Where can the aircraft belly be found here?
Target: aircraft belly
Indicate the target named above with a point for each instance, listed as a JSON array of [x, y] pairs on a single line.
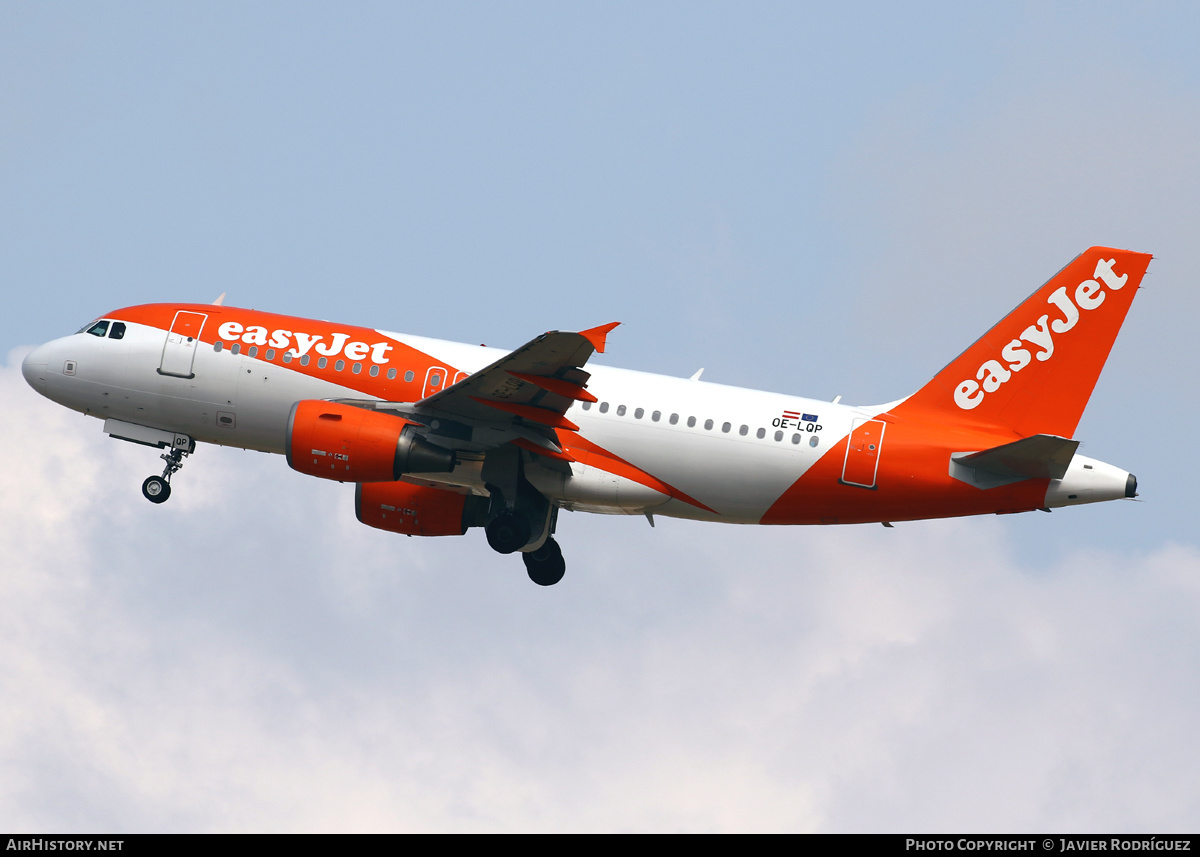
[[593, 489], [231, 400], [737, 478], [265, 395]]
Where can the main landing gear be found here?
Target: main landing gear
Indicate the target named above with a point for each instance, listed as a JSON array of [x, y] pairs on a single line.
[[545, 565], [157, 489], [508, 532], [520, 518]]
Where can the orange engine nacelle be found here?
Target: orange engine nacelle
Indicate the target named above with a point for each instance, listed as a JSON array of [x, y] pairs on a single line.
[[352, 444], [417, 510]]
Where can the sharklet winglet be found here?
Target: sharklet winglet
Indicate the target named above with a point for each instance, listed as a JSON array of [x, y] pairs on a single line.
[[598, 335]]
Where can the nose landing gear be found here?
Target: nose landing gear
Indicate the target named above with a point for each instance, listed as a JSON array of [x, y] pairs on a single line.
[[157, 489]]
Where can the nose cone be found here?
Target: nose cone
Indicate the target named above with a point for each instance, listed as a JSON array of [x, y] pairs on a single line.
[[33, 367]]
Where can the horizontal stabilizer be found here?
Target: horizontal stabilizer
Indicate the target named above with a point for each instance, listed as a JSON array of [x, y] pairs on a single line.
[[1043, 456]]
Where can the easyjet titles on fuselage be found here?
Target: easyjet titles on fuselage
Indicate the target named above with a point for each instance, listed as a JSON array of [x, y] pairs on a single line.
[[233, 331], [1089, 295]]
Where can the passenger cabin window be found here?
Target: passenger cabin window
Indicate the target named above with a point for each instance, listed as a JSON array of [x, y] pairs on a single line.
[[322, 362], [620, 410], [708, 424], [674, 419], [638, 414], [392, 373], [744, 430], [408, 376], [691, 422], [253, 352], [604, 407], [761, 433], [587, 406], [98, 329], [656, 416], [117, 331]]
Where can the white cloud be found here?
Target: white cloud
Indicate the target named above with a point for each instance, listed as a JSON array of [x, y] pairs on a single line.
[[247, 657]]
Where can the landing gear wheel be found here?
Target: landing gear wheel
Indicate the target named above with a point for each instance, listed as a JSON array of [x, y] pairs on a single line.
[[156, 489], [507, 533], [545, 566]]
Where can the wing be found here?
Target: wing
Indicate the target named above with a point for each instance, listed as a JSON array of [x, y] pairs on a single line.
[[538, 382], [523, 397]]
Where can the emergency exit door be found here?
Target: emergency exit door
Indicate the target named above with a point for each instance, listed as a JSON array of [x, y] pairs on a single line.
[[862, 453], [435, 380]]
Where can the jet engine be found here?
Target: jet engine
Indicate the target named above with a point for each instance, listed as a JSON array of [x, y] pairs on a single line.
[[418, 510], [350, 444]]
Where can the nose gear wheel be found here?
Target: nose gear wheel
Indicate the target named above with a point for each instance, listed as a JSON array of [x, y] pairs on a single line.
[[157, 489]]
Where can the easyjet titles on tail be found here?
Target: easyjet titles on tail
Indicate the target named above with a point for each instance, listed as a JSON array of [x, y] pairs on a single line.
[[1089, 295]]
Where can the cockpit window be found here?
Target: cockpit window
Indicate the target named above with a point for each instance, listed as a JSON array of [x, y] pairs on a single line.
[[98, 329], [118, 330]]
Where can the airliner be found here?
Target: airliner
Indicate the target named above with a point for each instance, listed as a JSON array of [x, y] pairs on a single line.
[[441, 437]]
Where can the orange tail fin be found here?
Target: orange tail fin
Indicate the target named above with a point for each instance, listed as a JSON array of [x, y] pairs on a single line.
[[1034, 372]]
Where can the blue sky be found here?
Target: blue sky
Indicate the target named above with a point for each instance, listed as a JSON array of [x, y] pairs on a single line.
[[819, 200]]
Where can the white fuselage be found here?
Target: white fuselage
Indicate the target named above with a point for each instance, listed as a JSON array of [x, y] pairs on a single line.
[[736, 451]]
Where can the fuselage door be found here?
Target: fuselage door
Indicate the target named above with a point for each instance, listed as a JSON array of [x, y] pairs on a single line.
[[435, 380], [862, 453], [180, 348]]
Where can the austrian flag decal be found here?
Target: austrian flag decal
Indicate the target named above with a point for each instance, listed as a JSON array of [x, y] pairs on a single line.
[[794, 418]]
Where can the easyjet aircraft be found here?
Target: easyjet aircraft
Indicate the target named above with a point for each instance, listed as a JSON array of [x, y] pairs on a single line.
[[440, 437]]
